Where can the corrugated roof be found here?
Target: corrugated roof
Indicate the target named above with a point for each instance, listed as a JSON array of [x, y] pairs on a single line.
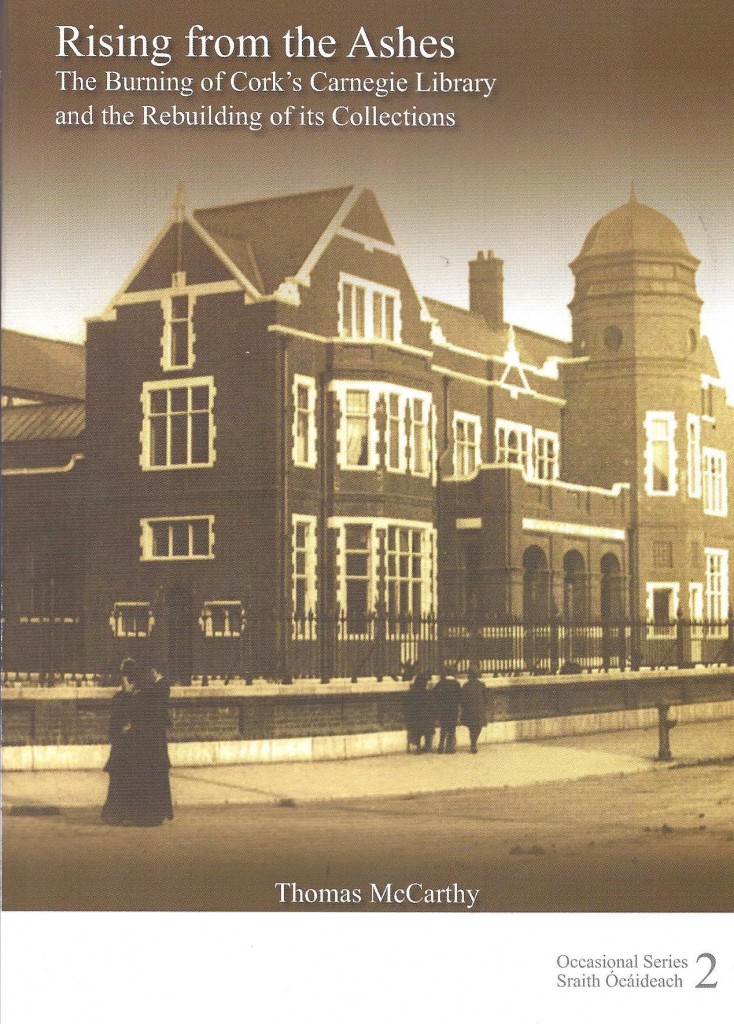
[[50, 421], [42, 366], [270, 239]]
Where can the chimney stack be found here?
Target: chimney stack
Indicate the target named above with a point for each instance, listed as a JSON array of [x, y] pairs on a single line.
[[486, 288]]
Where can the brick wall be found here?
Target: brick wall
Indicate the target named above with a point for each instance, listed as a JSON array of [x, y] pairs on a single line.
[[84, 718]]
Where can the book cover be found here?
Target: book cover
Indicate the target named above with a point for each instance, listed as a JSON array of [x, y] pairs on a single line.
[[366, 535]]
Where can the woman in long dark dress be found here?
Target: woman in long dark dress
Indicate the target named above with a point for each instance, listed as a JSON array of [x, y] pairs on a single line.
[[138, 766]]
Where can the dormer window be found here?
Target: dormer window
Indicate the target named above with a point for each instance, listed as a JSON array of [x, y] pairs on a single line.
[[368, 311], [178, 333]]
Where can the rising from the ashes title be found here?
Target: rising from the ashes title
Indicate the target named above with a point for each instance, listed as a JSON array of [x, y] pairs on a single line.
[[158, 49]]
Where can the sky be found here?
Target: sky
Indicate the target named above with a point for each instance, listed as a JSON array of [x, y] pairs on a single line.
[[589, 97]]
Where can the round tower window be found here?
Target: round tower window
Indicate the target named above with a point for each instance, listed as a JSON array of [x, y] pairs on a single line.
[[613, 338], [692, 340]]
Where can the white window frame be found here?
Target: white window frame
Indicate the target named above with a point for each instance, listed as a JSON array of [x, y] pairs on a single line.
[[146, 538], [694, 462], [376, 526], [656, 629], [167, 302], [380, 391], [716, 587], [715, 482], [525, 434], [116, 619], [651, 420], [420, 433], [543, 437], [310, 552], [188, 383], [390, 425], [372, 394], [372, 566], [233, 619], [467, 451], [394, 574], [371, 290], [301, 381]]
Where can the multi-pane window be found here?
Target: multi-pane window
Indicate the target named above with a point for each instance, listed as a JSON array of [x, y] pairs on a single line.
[[546, 455], [717, 584], [399, 415], [131, 619], [420, 449], [304, 566], [467, 441], [304, 421], [383, 560], [405, 572], [660, 453], [693, 437], [177, 538], [715, 489], [178, 334], [358, 582], [222, 618], [395, 444], [369, 310], [514, 444], [358, 429], [178, 427]]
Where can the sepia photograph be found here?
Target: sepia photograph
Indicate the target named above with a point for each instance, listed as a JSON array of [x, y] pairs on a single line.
[[367, 405]]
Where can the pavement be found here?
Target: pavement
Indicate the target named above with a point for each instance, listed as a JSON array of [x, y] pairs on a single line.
[[398, 775]]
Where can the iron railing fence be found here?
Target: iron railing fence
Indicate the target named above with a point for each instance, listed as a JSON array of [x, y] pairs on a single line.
[[52, 648]]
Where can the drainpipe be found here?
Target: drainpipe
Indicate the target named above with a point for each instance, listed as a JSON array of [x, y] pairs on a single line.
[[283, 524], [439, 510]]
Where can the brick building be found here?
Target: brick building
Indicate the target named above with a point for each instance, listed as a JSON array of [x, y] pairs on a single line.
[[285, 444]]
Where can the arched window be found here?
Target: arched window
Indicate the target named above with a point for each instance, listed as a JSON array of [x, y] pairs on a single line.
[[536, 585], [692, 340], [575, 588], [612, 596]]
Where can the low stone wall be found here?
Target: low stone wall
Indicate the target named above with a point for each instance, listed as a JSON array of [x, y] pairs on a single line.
[[61, 716], [67, 727], [336, 748]]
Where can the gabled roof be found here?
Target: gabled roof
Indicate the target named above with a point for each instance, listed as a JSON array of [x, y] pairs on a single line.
[[42, 366], [465, 329], [269, 240], [535, 348], [47, 422]]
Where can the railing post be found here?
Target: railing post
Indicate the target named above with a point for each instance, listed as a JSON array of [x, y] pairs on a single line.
[[681, 646], [381, 639], [636, 628], [555, 624], [665, 724]]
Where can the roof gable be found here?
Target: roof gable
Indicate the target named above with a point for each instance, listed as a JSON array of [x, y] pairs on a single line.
[[180, 248], [366, 218], [275, 236], [43, 367]]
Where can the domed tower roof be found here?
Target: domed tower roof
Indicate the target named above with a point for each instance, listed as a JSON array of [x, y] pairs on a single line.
[[635, 228]]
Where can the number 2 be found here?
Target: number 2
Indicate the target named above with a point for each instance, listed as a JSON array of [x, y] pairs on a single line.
[[712, 960]]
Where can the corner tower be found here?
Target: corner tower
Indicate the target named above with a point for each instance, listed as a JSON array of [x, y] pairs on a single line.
[[639, 403]]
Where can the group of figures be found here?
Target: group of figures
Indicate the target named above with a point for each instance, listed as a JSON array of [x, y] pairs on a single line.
[[138, 766], [445, 705]]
